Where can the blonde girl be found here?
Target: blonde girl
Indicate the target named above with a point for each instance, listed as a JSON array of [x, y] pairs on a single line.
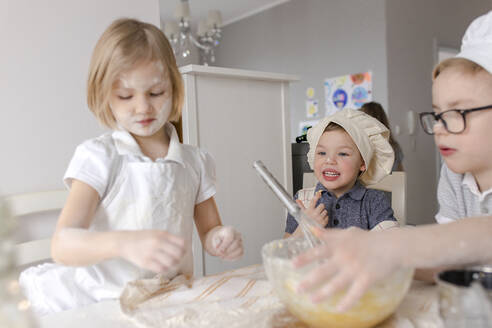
[[135, 191]]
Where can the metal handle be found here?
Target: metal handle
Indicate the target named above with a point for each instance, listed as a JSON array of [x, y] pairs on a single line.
[[277, 188], [305, 222]]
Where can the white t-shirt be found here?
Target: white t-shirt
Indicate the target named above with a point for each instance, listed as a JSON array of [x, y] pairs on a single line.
[[136, 193], [459, 197]]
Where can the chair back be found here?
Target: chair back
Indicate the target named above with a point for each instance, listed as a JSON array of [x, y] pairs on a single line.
[[31, 203], [395, 183]]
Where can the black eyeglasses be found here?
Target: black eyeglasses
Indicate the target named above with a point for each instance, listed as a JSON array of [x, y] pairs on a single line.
[[454, 120]]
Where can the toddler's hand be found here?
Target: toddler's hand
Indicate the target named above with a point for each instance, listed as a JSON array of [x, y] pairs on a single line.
[[224, 242], [318, 213], [155, 250]]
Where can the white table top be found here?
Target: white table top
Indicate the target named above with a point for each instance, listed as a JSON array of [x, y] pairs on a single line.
[[419, 309], [100, 315]]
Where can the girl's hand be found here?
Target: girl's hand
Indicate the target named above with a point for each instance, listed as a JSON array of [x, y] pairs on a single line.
[[351, 258], [318, 213], [155, 250], [224, 242]]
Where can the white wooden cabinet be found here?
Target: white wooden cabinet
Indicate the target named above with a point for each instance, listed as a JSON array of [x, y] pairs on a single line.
[[240, 116]]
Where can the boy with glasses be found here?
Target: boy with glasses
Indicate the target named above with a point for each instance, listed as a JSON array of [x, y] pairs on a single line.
[[462, 127]]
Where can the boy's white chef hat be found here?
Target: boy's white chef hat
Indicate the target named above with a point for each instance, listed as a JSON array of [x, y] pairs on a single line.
[[477, 42], [370, 136]]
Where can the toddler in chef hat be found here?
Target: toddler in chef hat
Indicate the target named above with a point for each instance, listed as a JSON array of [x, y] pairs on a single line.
[[461, 122], [347, 151]]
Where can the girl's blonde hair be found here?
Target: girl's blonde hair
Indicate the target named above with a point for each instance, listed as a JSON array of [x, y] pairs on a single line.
[[125, 43], [465, 65]]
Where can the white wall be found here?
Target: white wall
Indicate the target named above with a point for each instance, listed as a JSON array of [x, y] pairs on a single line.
[[312, 39], [46, 49]]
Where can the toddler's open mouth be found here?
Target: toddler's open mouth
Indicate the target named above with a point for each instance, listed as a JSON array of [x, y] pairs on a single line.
[[330, 174]]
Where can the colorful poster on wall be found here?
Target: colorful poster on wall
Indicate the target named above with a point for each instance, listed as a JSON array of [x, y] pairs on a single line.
[[350, 91], [311, 108], [303, 126], [311, 103]]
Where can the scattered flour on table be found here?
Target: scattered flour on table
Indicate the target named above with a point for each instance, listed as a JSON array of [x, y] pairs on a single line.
[[264, 312]]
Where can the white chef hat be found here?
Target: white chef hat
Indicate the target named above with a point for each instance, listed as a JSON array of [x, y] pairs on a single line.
[[477, 42], [369, 135]]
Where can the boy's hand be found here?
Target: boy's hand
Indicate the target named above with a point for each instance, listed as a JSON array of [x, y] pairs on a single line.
[[224, 242], [317, 213], [155, 250], [351, 259]]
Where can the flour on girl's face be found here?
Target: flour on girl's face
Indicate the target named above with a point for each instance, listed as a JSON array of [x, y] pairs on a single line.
[[141, 99]]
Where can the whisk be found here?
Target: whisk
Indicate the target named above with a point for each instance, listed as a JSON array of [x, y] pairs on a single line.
[[306, 223]]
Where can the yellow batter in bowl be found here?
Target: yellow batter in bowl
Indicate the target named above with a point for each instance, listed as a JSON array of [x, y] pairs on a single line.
[[377, 304]]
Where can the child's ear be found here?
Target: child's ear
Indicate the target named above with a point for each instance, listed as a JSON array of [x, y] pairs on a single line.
[[363, 167]]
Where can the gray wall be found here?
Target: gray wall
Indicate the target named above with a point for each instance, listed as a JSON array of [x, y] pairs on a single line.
[[43, 70], [314, 39], [396, 39], [44, 66], [414, 29]]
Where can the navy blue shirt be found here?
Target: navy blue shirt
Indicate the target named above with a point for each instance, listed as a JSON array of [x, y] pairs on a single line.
[[358, 207]]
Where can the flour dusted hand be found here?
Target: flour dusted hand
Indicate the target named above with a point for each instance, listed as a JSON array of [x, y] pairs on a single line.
[[154, 250], [348, 261], [317, 213], [224, 242]]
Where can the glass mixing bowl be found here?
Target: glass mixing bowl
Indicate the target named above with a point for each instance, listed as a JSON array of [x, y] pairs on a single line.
[[379, 302]]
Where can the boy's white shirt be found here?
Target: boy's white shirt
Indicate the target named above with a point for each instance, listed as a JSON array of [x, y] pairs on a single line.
[[471, 183], [461, 190], [136, 193]]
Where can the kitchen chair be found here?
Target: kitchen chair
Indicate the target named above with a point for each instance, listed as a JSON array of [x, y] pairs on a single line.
[[34, 251], [395, 183]]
